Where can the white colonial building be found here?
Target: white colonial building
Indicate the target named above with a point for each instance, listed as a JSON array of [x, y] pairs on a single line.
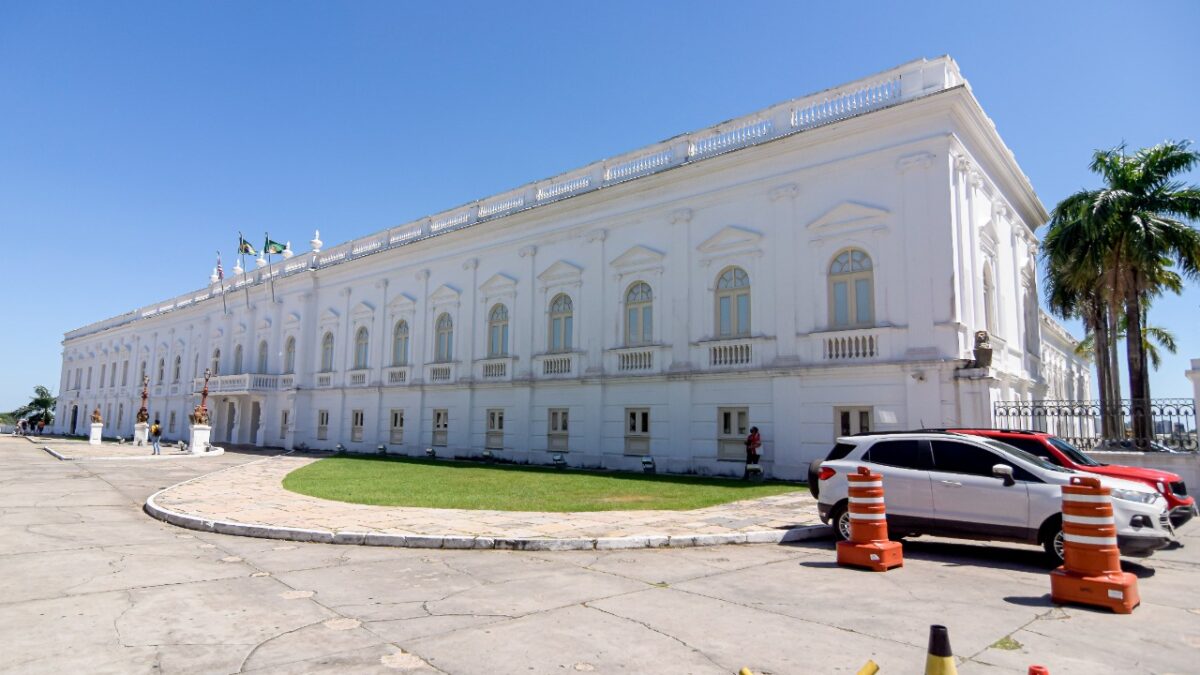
[[813, 269]]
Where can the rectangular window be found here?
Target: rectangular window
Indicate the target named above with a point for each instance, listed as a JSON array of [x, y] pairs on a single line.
[[120, 414], [557, 432], [112, 376], [495, 429], [171, 423], [841, 304], [125, 373], [356, 426], [283, 424], [322, 425], [726, 311], [89, 377], [862, 301], [732, 428], [441, 426], [743, 313], [637, 431], [396, 433], [103, 372], [850, 421]]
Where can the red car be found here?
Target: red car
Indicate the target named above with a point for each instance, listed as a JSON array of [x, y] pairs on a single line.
[[1180, 505]]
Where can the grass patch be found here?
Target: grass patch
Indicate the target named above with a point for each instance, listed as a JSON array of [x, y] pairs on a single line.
[[1006, 643], [392, 481]]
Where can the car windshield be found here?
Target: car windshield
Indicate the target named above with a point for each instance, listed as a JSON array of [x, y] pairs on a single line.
[[1021, 454], [1074, 454]]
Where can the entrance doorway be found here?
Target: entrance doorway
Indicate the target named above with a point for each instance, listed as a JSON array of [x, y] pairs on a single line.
[[74, 418], [255, 414], [230, 420]]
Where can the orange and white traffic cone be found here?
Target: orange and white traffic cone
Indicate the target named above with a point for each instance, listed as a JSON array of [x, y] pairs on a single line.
[[1091, 570], [868, 545]]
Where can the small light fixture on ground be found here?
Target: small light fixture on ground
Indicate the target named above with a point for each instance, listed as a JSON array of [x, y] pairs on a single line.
[[382, 449], [430, 452], [648, 464], [559, 460], [754, 471], [487, 455], [339, 448]]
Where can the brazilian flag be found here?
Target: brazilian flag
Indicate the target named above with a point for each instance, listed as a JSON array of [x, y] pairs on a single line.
[[272, 247], [244, 247]]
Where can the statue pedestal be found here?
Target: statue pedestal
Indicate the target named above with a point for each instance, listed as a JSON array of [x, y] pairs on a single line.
[[94, 436], [141, 433], [198, 443]]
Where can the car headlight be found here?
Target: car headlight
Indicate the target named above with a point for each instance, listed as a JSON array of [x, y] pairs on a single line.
[[1135, 496]]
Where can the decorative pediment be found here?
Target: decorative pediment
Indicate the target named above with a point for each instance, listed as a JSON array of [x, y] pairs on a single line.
[[403, 302], [239, 329], [637, 258], [849, 215], [291, 319], [330, 315], [264, 323], [561, 272], [362, 310], [731, 239], [218, 333], [444, 294], [499, 284]]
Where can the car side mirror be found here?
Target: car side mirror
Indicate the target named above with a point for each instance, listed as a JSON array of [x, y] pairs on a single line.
[[1004, 471]]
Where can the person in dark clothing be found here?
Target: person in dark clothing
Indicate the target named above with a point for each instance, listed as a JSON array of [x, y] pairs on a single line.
[[753, 443]]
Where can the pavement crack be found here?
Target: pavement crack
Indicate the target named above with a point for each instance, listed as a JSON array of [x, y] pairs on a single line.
[[652, 629]]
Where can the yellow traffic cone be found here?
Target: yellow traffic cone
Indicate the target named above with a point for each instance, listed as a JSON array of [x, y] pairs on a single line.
[[940, 660]]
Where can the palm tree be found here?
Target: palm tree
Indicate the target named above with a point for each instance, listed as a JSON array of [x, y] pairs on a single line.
[[40, 407], [1134, 228]]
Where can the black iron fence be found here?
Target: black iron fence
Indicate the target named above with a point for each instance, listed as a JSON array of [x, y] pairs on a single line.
[[1090, 426]]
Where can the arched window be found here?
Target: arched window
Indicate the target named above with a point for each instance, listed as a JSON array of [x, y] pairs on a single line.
[[237, 360], [327, 353], [289, 356], [400, 343], [851, 290], [733, 303], [361, 343], [498, 331], [176, 368], [262, 357], [445, 338], [989, 300], [562, 315], [216, 362], [638, 324]]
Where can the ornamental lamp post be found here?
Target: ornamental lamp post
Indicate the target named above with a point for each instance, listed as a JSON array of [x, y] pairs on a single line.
[[200, 429]]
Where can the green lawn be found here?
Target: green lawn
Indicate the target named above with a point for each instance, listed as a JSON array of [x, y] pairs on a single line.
[[389, 481]]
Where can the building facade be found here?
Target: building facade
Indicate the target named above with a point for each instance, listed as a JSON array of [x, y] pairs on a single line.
[[817, 268]]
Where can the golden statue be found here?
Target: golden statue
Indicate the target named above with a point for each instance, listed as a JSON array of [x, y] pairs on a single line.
[[96, 416]]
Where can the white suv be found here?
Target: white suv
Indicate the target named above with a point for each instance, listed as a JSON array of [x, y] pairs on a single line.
[[954, 485]]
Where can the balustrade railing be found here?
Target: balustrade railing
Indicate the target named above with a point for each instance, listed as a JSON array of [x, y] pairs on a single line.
[[636, 360], [287, 381], [852, 346], [906, 82], [324, 379], [557, 365], [731, 353], [397, 375], [358, 378], [440, 373], [494, 370]]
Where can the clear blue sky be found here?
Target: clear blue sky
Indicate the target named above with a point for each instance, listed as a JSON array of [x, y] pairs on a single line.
[[136, 138]]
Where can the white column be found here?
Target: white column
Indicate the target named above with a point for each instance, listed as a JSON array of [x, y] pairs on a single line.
[[593, 332], [783, 256], [676, 322], [1194, 375]]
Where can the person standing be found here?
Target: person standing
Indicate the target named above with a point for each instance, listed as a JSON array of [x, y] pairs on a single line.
[[753, 443], [156, 436]]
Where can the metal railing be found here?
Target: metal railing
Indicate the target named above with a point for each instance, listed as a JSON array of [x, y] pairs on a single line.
[[1082, 423]]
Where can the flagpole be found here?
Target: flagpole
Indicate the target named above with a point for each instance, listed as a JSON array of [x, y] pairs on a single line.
[[267, 252], [224, 306], [242, 257]]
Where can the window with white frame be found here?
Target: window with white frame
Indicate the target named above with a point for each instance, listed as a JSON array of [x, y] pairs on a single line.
[[562, 316], [216, 363], [396, 432], [124, 374], [498, 331], [176, 369], [237, 360], [327, 353], [637, 431], [262, 357], [196, 365], [495, 429], [103, 372], [441, 426], [89, 375], [851, 290], [322, 425], [639, 301], [400, 343], [732, 428], [120, 414], [733, 303], [445, 339], [289, 356], [356, 425], [171, 423], [989, 300], [852, 420], [284, 418], [361, 345], [112, 375], [162, 371], [558, 432], [141, 373]]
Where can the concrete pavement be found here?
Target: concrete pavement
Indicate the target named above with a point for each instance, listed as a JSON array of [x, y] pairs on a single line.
[[88, 582]]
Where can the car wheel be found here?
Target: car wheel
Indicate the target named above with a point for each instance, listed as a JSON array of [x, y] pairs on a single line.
[[840, 519], [1052, 540], [814, 482]]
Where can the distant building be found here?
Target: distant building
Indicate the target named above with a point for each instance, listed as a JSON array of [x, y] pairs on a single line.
[[814, 269]]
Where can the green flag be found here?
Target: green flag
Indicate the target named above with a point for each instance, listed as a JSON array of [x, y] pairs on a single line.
[[244, 247], [272, 247]]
